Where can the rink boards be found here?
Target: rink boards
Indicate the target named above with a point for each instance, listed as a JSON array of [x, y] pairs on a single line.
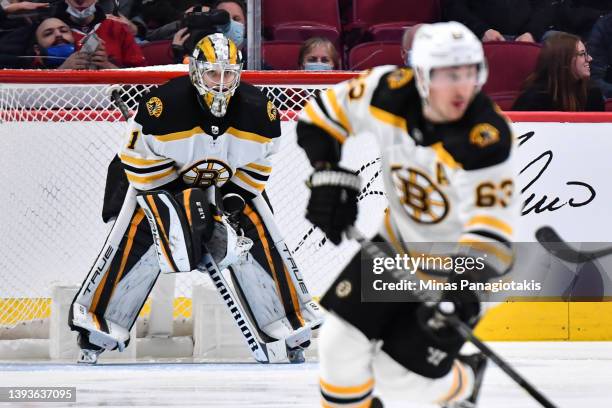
[[554, 150]]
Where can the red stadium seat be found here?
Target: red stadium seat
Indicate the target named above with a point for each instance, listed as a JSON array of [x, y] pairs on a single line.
[[281, 54], [158, 52], [372, 54], [388, 31], [369, 13], [301, 31], [510, 63], [301, 15], [504, 100]]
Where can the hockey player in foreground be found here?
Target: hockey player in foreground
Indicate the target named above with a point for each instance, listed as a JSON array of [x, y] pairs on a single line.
[[447, 173], [197, 157]]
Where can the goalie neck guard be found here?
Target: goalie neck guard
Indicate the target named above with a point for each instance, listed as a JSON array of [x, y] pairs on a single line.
[[214, 69]]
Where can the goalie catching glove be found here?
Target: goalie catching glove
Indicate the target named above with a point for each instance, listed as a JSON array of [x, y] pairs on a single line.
[[333, 200]]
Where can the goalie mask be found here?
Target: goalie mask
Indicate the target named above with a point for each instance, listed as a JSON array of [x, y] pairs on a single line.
[[443, 45], [214, 68]]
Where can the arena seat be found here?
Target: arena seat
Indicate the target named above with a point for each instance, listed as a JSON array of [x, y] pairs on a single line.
[[510, 63], [158, 52], [299, 20], [281, 54], [372, 54], [504, 100], [384, 21]]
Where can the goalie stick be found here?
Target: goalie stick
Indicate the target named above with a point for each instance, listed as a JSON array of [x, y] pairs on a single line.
[[115, 96], [445, 313], [264, 352], [555, 245]]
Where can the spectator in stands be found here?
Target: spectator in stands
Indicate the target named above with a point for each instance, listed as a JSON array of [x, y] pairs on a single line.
[[234, 29], [600, 48], [160, 19], [406, 45], [579, 16], [118, 48], [16, 33], [318, 54], [54, 44], [501, 20], [561, 79], [20, 7]]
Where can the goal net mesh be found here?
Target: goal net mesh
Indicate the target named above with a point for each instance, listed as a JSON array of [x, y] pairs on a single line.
[[58, 138]]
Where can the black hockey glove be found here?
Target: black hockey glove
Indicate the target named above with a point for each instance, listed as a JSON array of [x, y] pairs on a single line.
[[333, 200], [464, 303]]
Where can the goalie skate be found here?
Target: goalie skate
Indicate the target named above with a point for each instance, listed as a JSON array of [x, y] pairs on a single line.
[[87, 356], [112, 337]]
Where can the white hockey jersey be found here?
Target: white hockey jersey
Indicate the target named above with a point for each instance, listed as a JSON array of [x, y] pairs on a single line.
[[173, 136], [450, 182]]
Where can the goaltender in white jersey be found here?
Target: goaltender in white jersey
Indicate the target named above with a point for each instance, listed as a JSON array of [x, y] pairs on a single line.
[[197, 159], [446, 157]]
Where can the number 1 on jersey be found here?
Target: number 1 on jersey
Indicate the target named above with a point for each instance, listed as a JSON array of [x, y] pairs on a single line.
[[133, 139]]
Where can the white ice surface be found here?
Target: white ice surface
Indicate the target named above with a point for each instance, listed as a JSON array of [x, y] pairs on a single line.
[[577, 374]]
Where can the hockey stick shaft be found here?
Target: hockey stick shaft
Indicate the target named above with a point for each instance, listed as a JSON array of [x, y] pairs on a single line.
[[554, 244], [466, 332], [118, 102], [374, 251], [261, 351], [463, 329]]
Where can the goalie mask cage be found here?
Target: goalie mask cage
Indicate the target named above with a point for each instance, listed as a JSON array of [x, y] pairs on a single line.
[[60, 130]]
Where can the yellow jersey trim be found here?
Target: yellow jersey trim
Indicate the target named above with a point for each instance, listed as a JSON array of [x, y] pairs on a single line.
[[185, 134], [140, 162], [445, 157], [242, 176], [320, 122], [241, 134], [260, 167], [331, 97], [490, 222], [148, 179], [337, 389], [388, 118], [487, 247]]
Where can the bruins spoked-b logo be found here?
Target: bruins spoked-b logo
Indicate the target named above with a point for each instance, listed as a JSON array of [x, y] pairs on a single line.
[[205, 173], [155, 107], [422, 199], [344, 288]]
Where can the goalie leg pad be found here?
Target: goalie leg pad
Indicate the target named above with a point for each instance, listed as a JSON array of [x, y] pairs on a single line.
[[259, 291], [308, 308], [108, 303], [178, 229], [267, 255]]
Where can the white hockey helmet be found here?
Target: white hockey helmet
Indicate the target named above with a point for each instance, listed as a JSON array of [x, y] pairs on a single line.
[[214, 68], [442, 45]]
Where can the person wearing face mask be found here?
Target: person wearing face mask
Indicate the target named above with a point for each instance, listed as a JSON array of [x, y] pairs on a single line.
[[318, 54], [117, 48], [54, 44], [235, 30], [17, 31]]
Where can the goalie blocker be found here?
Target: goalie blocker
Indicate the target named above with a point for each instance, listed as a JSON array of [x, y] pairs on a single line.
[[272, 309]]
